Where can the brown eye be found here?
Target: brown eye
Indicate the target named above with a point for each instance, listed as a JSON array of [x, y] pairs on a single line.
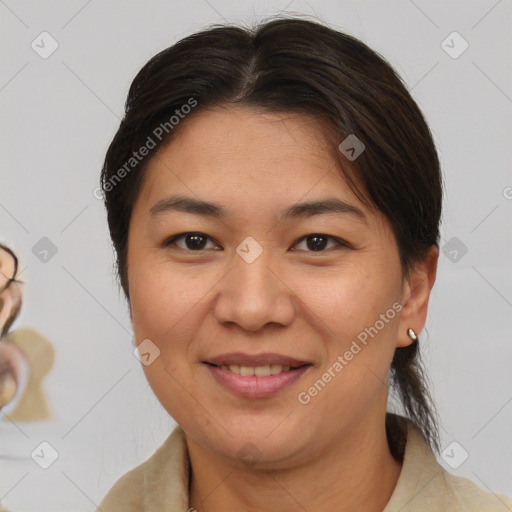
[[189, 241], [317, 242]]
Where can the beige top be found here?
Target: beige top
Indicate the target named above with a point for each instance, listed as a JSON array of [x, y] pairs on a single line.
[[161, 483]]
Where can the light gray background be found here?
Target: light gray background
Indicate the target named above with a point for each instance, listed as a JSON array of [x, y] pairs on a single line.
[[58, 117]]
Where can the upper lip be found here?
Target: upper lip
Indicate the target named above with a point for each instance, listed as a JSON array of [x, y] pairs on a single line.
[[264, 359]]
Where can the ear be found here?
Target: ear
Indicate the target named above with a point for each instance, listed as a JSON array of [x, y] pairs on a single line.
[[415, 296]]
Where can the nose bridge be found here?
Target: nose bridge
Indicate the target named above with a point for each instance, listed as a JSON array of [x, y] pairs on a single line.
[[252, 295]]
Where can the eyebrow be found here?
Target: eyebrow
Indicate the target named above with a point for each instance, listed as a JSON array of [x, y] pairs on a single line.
[[306, 209]]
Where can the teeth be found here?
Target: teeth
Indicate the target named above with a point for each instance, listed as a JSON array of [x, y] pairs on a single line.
[[262, 371], [246, 371], [275, 368], [259, 371]]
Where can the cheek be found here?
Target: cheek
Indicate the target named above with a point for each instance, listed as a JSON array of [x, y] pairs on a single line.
[[161, 299], [347, 302], [162, 303], [361, 313], [358, 352]]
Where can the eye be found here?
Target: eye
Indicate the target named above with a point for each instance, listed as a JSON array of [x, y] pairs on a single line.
[[191, 241], [196, 241], [317, 242]]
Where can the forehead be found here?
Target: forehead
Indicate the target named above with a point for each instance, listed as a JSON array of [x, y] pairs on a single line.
[[222, 149]]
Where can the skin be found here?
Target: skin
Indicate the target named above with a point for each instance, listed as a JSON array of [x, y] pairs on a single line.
[[10, 293], [12, 359], [331, 454]]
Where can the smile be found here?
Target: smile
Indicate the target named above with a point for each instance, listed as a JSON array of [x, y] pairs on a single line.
[[259, 371], [256, 381]]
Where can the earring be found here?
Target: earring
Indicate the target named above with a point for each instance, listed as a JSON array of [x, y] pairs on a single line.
[[412, 334]]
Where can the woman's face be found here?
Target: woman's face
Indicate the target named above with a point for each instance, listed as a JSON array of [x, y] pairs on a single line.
[[252, 283]]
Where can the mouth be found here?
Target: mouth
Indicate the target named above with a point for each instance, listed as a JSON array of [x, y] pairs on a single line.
[[258, 371], [260, 376]]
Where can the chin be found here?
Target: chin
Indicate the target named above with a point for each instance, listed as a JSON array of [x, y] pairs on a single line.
[[259, 443]]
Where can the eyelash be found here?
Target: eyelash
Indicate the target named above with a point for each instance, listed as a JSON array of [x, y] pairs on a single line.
[[169, 242]]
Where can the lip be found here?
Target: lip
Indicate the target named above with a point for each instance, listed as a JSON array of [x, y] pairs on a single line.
[[263, 359], [256, 387]]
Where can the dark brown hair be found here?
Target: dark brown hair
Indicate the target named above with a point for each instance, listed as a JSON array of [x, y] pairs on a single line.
[[297, 66]]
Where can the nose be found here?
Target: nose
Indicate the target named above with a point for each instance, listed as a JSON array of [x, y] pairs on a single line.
[[253, 294]]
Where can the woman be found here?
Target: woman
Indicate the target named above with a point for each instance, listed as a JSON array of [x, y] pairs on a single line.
[[274, 198]]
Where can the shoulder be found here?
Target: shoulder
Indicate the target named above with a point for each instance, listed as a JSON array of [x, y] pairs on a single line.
[[467, 496], [160, 481], [425, 486]]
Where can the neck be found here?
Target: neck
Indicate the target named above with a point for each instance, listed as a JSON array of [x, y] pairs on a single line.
[[356, 472]]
